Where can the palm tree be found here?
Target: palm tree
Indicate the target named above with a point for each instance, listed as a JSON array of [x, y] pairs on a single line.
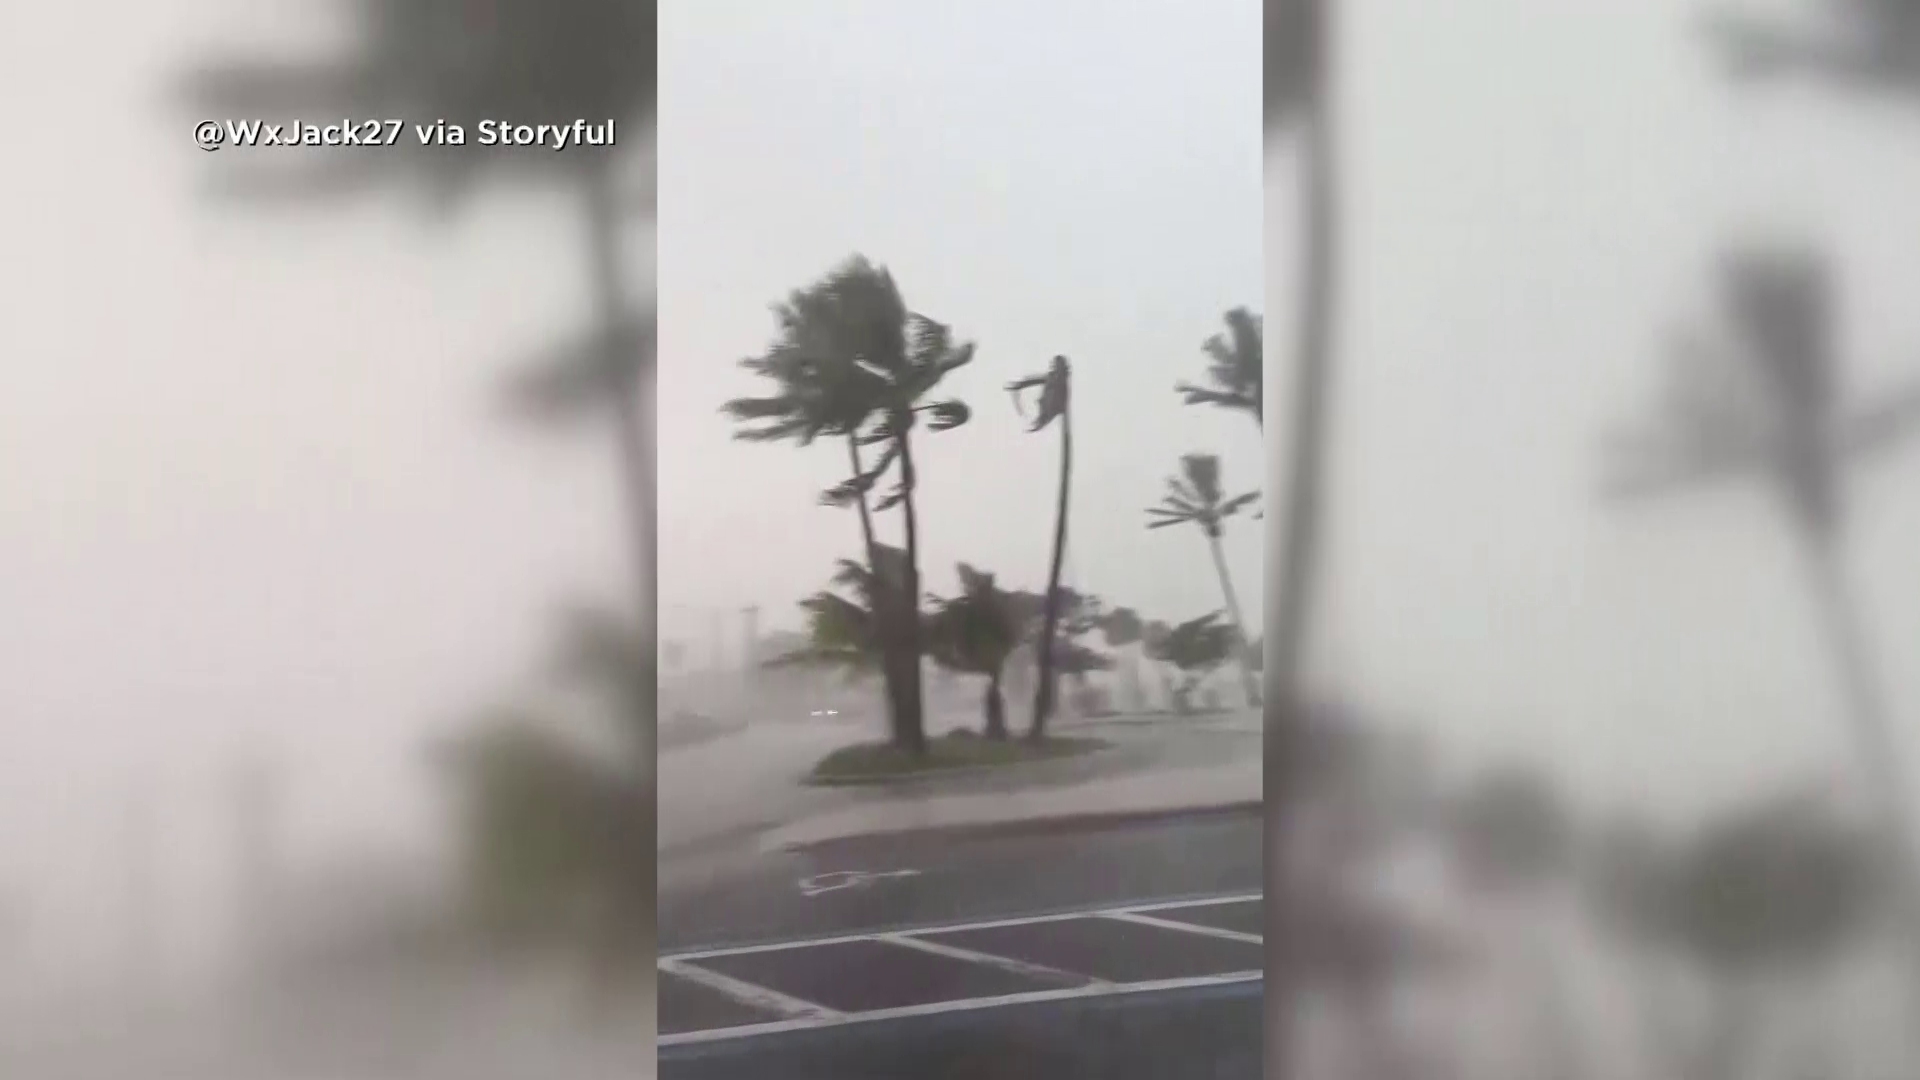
[[1195, 498], [1196, 648], [1056, 389], [860, 366], [909, 355], [1300, 44], [1299, 49], [850, 635], [975, 633], [1772, 894], [820, 390], [1764, 400], [1238, 369]]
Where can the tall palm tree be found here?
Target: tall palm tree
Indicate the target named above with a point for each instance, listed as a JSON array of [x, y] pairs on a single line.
[[1764, 400], [975, 632], [860, 365], [820, 390], [1055, 387], [1237, 370], [1195, 498], [911, 355], [1300, 45]]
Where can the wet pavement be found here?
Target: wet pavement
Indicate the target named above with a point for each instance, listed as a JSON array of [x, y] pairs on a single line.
[[917, 880], [1137, 990]]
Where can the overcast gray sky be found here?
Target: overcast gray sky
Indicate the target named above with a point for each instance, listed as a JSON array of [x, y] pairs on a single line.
[[1075, 178], [254, 485]]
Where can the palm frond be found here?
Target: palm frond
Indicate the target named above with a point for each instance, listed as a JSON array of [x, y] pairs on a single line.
[[947, 415], [1237, 503], [1202, 474]]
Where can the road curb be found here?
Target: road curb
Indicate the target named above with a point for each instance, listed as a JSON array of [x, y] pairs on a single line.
[[1036, 826]]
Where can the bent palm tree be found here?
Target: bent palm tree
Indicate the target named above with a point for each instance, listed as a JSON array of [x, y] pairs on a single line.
[[1195, 498], [820, 390], [975, 633], [1055, 388], [1763, 401], [1238, 369], [879, 361], [1300, 44]]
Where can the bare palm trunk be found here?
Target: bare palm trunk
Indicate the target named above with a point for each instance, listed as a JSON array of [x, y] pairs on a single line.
[[632, 406], [996, 709], [1306, 465], [1243, 649], [1859, 681], [1043, 694], [889, 661], [906, 608]]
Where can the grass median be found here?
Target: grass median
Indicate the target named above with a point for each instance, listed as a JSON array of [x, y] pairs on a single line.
[[881, 762]]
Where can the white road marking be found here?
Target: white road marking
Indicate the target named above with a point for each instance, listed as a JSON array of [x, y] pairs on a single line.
[[1004, 963], [1024, 920], [847, 879], [1032, 997], [1185, 928], [746, 993]]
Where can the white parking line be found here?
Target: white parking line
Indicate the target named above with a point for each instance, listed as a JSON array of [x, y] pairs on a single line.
[[800, 1015], [988, 924], [1004, 963], [1185, 928], [750, 994], [937, 1008]]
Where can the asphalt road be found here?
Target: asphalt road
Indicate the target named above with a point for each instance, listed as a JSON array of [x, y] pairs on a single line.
[[942, 879], [1042, 990]]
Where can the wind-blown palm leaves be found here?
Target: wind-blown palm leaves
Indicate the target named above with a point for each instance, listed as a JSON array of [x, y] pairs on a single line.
[[1237, 370], [1196, 648], [1055, 391], [851, 361], [1763, 400], [1772, 893], [845, 633], [1195, 498], [975, 632]]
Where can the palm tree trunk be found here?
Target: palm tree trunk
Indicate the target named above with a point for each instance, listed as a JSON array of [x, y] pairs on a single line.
[[1306, 463], [634, 435], [1866, 706], [889, 662], [996, 709], [906, 607], [1043, 694], [1244, 649]]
